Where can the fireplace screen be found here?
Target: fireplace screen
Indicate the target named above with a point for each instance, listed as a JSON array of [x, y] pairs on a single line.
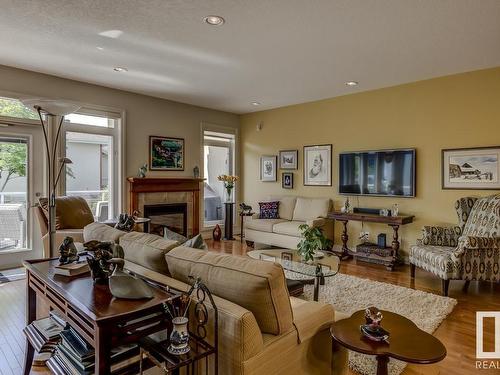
[[172, 216]]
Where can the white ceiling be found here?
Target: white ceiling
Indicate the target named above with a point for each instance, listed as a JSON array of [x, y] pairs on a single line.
[[276, 52]]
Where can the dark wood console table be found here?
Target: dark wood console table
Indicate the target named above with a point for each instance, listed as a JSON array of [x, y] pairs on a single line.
[[102, 320], [393, 221]]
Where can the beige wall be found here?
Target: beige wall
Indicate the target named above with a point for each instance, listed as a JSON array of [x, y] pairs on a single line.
[[145, 115], [455, 111]]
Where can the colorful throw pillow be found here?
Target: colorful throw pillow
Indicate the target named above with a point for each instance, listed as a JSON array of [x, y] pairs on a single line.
[[269, 210]]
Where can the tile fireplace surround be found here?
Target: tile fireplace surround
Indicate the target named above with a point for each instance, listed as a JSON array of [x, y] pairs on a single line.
[[157, 190]]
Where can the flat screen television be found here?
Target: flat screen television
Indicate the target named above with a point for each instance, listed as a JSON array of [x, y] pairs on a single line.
[[388, 173]]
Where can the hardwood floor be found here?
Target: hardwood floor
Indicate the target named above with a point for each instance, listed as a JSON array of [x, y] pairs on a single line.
[[457, 332]]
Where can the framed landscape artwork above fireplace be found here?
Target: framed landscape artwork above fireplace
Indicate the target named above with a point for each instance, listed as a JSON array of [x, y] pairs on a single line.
[[166, 153]]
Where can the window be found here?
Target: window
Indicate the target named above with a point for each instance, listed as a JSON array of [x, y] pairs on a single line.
[[13, 192], [218, 158], [10, 107], [92, 144]]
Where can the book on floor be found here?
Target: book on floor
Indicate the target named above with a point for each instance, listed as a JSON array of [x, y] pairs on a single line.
[[72, 269]]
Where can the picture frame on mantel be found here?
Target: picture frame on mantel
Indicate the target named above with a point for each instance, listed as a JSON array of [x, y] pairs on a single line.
[[476, 168], [318, 165], [166, 153]]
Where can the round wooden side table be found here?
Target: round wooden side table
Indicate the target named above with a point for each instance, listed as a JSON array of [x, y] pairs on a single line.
[[407, 342]]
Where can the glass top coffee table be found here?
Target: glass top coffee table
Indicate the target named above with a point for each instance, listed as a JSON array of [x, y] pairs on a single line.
[[325, 264]]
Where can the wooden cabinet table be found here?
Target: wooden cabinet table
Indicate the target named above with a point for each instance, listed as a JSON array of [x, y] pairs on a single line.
[[393, 221], [102, 320]]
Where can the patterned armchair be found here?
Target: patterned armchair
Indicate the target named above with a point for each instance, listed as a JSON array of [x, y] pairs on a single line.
[[469, 251]]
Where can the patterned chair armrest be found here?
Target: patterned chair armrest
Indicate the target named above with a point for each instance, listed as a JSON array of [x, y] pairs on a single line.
[[479, 243], [479, 258], [440, 236]]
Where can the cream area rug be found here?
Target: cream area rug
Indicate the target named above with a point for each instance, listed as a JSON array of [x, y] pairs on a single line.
[[349, 294]]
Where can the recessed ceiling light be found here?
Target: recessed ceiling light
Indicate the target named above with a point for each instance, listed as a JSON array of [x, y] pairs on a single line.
[[100, 48], [214, 20], [120, 69], [352, 83], [255, 103]]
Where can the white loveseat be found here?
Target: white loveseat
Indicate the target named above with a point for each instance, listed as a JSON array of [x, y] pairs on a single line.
[[293, 211]]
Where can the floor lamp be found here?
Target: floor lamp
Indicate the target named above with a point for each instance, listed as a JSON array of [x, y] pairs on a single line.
[[51, 114]]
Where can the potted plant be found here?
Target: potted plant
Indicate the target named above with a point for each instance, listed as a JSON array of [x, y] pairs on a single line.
[[312, 239]]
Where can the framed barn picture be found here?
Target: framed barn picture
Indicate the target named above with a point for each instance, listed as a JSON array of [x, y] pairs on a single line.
[[471, 168], [166, 154]]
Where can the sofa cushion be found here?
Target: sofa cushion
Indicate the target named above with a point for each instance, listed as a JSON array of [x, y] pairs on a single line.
[[289, 228], [258, 286], [101, 232], [263, 225], [435, 259], [147, 250], [71, 212], [269, 210], [310, 208], [196, 242], [286, 207]]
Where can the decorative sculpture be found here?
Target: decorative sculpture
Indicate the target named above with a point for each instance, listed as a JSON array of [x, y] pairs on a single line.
[[142, 171], [67, 251], [99, 255], [124, 285], [125, 222], [245, 208]]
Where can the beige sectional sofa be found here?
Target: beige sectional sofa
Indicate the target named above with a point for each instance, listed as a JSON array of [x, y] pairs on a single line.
[[293, 212], [262, 330]]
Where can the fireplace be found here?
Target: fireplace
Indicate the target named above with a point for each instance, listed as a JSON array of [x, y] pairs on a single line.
[[164, 191], [167, 215]]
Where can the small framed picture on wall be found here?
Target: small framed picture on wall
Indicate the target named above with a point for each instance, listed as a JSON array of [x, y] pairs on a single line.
[[268, 166], [289, 159], [318, 165], [287, 180], [471, 168]]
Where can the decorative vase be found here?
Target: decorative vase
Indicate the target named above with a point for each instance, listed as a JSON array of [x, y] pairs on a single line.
[[217, 233], [179, 338], [229, 195]]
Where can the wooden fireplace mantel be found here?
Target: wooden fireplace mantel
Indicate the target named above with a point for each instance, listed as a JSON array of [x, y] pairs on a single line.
[[167, 184]]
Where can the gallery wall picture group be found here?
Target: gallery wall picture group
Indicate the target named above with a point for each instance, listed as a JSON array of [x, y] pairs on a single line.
[[318, 165], [471, 168], [166, 153]]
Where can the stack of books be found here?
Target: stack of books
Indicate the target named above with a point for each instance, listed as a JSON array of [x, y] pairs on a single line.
[[44, 335], [72, 269], [75, 356]]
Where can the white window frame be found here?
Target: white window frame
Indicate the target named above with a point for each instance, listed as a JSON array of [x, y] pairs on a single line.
[[116, 184], [211, 127]]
